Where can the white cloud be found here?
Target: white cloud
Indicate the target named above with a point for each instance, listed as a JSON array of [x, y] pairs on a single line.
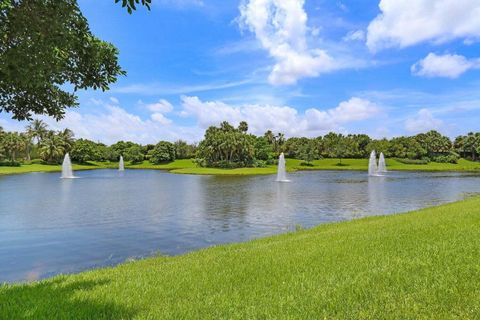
[[279, 118], [409, 22], [448, 65], [358, 35], [156, 89], [114, 100], [162, 106], [422, 121], [281, 28], [111, 123]]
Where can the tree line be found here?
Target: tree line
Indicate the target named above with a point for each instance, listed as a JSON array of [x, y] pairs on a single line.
[[42, 145], [227, 146]]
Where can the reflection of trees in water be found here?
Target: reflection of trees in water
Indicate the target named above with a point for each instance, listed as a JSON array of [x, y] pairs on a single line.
[[225, 201]]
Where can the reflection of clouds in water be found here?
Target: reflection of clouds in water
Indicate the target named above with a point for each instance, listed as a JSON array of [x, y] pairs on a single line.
[[106, 217]]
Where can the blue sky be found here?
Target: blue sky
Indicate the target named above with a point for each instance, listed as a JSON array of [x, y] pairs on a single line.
[[385, 68]]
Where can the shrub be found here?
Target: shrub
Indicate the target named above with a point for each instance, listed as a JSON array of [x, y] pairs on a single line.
[[37, 161], [259, 164], [306, 164], [413, 161], [450, 158], [10, 164]]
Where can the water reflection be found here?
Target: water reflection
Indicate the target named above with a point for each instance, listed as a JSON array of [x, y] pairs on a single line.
[[50, 226]]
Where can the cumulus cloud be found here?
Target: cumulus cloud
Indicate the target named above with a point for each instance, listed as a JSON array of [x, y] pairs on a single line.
[[422, 121], [281, 28], [448, 66], [279, 118], [162, 106], [409, 22], [111, 123]]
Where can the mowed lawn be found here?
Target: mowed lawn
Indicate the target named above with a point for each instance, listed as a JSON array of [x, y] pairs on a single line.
[[187, 166], [419, 265]]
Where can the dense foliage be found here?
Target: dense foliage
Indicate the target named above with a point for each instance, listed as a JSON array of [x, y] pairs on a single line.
[[46, 45], [163, 152], [227, 146]]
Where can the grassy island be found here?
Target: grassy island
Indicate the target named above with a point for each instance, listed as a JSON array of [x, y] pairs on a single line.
[[422, 264]]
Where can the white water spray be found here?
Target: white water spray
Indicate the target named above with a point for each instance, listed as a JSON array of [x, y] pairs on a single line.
[[372, 164], [121, 166], [382, 167], [282, 172], [67, 172], [374, 168]]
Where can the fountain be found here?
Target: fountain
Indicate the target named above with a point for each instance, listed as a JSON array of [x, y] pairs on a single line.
[[382, 167], [67, 172], [282, 173], [121, 166], [372, 164]]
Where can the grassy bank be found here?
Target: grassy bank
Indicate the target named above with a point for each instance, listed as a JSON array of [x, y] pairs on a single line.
[[189, 167], [423, 264], [28, 168]]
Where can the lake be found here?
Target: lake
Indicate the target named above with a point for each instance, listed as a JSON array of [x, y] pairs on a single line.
[[50, 226]]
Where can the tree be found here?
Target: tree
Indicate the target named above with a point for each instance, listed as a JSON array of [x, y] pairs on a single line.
[[278, 142], [163, 152], [13, 144], [67, 137], [121, 147], [379, 146], [434, 144], [263, 149], [84, 150], [183, 150], [37, 130], [307, 152], [133, 153], [27, 144], [46, 45], [226, 146], [52, 148], [243, 126], [406, 148], [131, 4]]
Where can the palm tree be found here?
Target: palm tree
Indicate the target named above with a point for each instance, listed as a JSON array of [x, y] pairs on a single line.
[[269, 136], [279, 140], [13, 143], [51, 147], [67, 139], [27, 143], [37, 130]]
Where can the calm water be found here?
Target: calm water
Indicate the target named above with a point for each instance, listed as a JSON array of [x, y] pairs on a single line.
[[50, 226]]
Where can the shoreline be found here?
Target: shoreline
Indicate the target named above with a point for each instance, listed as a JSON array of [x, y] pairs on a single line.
[[335, 260], [293, 165]]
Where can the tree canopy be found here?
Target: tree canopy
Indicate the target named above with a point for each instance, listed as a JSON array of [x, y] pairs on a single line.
[[131, 4], [46, 46]]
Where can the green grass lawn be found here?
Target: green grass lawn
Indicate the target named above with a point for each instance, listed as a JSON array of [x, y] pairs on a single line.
[[189, 167], [51, 168], [419, 265]]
